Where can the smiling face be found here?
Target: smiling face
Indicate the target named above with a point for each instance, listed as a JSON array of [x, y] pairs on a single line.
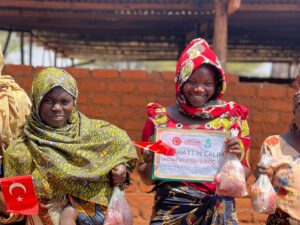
[[56, 107], [200, 86]]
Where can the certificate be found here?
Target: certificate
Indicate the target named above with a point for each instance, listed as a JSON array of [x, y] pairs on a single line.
[[199, 154]]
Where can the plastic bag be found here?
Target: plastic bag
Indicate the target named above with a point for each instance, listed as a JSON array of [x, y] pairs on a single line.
[[118, 211], [263, 195], [230, 180]]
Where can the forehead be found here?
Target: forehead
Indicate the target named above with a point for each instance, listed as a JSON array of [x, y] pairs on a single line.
[[58, 92], [205, 73]]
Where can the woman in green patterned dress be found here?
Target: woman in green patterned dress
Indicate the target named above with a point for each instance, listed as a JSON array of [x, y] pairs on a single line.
[[74, 161]]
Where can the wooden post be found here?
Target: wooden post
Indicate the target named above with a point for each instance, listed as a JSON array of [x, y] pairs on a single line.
[[55, 58], [22, 47], [221, 31], [30, 50], [6, 42]]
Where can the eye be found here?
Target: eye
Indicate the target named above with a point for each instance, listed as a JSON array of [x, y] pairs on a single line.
[[191, 82], [66, 101], [47, 101], [209, 84]]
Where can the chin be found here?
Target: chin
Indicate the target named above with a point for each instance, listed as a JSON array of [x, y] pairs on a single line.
[[56, 125], [197, 105]]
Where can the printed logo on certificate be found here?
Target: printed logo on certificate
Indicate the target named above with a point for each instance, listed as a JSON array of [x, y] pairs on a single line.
[[199, 154]]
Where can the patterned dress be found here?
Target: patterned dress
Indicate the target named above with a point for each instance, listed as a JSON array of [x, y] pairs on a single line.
[[286, 180], [71, 164], [186, 203]]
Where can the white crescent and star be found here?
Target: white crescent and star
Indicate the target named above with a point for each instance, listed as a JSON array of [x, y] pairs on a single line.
[[15, 185]]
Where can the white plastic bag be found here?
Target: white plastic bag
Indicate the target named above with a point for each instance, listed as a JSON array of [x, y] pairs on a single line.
[[230, 180], [263, 195], [118, 211]]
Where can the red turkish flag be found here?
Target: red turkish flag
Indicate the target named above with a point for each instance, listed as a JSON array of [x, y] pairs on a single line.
[[158, 147], [19, 196]]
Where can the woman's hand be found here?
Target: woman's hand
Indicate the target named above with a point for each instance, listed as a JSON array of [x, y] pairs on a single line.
[[119, 174], [263, 169], [144, 167], [233, 146], [148, 157]]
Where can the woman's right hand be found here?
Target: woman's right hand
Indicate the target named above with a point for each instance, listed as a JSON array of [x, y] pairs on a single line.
[[263, 169], [148, 157], [144, 167]]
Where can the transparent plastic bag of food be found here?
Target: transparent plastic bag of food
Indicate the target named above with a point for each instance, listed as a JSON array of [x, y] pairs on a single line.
[[230, 180], [118, 211], [263, 195]]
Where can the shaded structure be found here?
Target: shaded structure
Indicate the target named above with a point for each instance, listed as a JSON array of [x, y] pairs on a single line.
[[247, 30]]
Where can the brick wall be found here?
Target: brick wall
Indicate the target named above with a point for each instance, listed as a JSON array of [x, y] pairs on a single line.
[[120, 98]]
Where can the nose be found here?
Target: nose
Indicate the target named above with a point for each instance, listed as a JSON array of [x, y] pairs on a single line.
[[199, 89], [56, 107]]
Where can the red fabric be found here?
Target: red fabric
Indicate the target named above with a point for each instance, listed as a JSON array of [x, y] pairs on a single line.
[[158, 147], [19, 196], [195, 55]]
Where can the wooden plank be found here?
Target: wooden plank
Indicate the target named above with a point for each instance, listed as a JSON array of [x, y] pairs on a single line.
[[110, 17], [295, 7], [105, 6], [221, 31], [100, 24]]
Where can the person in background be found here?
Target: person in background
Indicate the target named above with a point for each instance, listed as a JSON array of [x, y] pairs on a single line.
[[284, 173], [200, 84], [74, 161], [14, 110]]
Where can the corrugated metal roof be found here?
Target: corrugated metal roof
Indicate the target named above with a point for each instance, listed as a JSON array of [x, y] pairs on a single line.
[[155, 29]]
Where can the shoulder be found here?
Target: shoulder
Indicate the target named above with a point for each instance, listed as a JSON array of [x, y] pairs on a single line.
[[96, 128], [155, 109], [237, 110], [157, 113], [18, 150]]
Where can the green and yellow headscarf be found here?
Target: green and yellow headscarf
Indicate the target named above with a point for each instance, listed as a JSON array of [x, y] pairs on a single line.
[[76, 159]]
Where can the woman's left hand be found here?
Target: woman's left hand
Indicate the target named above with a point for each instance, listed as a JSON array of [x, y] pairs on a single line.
[[119, 174], [233, 146]]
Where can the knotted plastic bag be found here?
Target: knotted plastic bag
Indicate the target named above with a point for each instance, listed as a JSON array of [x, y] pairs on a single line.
[[118, 212], [263, 195], [230, 180]]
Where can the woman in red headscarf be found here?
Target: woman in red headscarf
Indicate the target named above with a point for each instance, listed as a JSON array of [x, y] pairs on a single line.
[[200, 84]]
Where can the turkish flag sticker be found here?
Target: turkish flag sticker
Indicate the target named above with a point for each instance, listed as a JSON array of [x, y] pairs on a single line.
[[158, 147], [19, 196]]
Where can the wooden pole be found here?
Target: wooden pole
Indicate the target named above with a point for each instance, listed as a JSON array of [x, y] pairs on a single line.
[[55, 58], [221, 31], [22, 47], [6, 42], [30, 50]]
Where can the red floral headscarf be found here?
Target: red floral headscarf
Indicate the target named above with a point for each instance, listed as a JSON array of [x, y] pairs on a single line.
[[196, 54]]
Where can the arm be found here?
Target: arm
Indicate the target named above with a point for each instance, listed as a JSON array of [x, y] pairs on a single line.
[[144, 168], [3, 206], [145, 163], [119, 175], [268, 147]]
